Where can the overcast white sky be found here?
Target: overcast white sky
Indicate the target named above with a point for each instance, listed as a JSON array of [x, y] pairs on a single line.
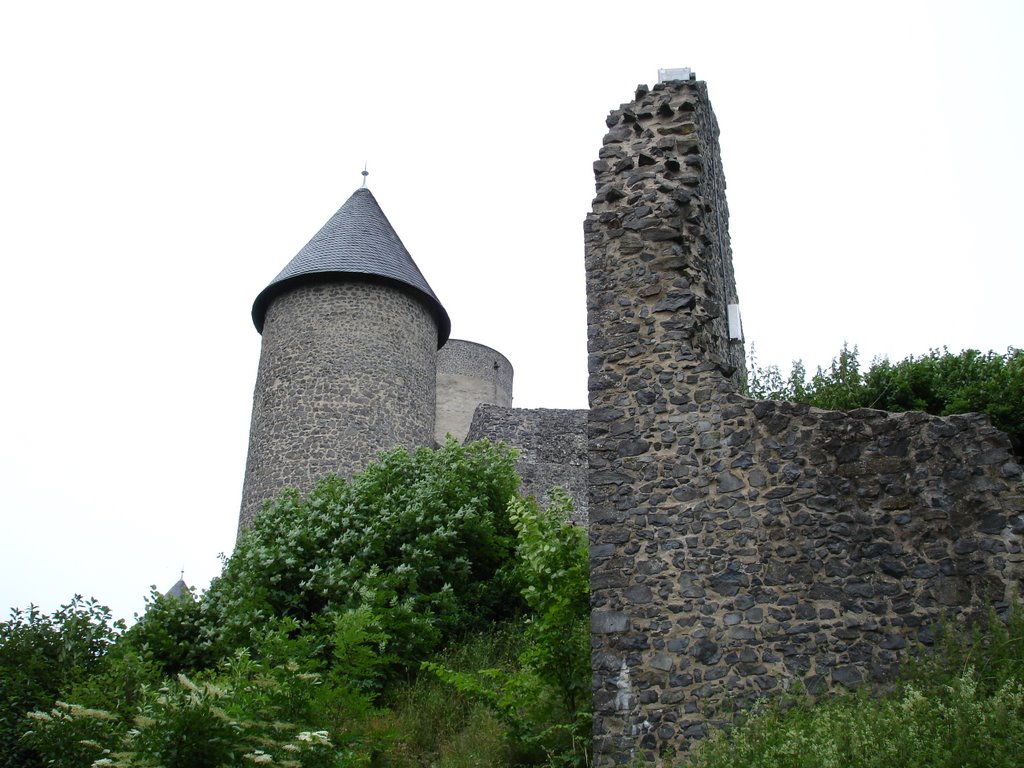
[[161, 162]]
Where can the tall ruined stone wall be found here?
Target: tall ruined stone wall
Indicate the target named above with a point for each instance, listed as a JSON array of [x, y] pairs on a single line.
[[736, 545], [552, 445], [658, 256], [346, 370]]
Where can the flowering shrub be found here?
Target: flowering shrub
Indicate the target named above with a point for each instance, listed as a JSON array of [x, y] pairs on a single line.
[[421, 540], [244, 714], [325, 611], [958, 726], [41, 655]]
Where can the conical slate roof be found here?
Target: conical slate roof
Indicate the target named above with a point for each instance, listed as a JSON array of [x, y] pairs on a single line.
[[357, 241], [180, 590]]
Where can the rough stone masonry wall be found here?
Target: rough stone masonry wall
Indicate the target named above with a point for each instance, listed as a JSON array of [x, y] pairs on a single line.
[[736, 545], [552, 445], [346, 370]]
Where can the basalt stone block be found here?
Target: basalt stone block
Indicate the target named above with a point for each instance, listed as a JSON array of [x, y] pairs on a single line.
[[662, 661], [639, 594], [689, 586], [674, 302], [618, 135], [892, 567], [728, 583], [850, 676], [705, 651], [602, 622], [728, 482], [632, 447], [992, 523]]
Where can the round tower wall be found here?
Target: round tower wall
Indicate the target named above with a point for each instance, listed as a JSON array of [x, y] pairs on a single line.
[[346, 370], [468, 374]]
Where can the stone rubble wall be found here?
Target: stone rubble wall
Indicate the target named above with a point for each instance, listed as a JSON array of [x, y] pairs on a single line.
[[738, 546], [552, 445]]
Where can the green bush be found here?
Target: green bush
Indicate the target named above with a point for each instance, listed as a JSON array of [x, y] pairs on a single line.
[[42, 655], [555, 577], [991, 647], [324, 614], [955, 726], [544, 702], [422, 540], [228, 719], [168, 634], [432, 723], [273, 705]]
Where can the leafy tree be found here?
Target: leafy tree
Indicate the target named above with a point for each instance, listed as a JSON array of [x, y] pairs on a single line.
[[247, 712], [555, 577], [327, 608], [422, 541], [168, 634], [42, 655], [545, 702]]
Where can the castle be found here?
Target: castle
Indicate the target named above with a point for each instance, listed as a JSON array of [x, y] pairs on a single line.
[[356, 359], [736, 546]]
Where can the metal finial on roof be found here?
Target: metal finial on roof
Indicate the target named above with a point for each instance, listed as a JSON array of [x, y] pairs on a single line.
[[365, 174]]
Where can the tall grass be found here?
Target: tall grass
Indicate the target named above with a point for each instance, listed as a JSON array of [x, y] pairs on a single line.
[[960, 705], [430, 723]]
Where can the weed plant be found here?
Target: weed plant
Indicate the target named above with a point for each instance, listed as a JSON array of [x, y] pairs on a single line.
[[960, 705], [431, 723]]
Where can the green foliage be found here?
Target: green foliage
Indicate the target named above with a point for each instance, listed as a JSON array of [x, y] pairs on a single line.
[[422, 540], [41, 655], [961, 705], [992, 650], [958, 727], [555, 577], [944, 383], [325, 612], [119, 684], [70, 735], [434, 724], [940, 383], [168, 633], [767, 382], [250, 710], [544, 702]]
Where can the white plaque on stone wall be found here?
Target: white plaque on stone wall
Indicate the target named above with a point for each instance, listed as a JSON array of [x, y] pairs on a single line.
[[668, 75]]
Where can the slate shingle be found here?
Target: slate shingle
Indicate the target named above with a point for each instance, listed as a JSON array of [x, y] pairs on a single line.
[[357, 241]]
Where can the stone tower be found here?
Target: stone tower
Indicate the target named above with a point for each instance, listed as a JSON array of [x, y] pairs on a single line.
[[348, 361], [662, 356], [469, 374]]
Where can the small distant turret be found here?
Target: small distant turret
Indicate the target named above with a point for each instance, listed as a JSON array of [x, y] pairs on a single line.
[[180, 590]]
